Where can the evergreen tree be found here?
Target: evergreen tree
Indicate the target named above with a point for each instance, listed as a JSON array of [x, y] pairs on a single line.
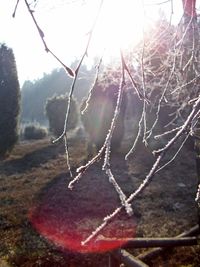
[[9, 99]]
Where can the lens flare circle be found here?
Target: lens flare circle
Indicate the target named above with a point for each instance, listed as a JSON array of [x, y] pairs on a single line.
[[67, 217]]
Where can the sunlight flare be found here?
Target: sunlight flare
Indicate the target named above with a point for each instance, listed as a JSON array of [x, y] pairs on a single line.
[[120, 26]]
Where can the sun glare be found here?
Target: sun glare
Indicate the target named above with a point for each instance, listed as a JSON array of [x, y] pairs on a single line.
[[120, 26]]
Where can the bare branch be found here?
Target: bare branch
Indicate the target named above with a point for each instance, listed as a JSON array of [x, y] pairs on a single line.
[[175, 155], [134, 83], [41, 34], [76, 75], [182, 129], [15, 10], [92, 87]]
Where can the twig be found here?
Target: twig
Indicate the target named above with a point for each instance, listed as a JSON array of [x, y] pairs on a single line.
[[137, 137], [74, 82], [15, 10], [149, 132], [140, 95], [41, 34], [175, 155], [106, 148], [185, 84], [81, 170], [92, 87], [182, 129], [144, 91], [67, 155], [76, 75], [167, 133]]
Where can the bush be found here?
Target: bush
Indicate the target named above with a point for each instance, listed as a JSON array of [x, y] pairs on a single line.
[[34, 131], [56, 109]]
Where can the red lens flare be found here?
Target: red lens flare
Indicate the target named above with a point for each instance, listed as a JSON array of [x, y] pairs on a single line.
[[68, 217]]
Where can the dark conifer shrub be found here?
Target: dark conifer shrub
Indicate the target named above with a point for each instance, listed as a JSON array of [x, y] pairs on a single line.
[[9, 100], [56, 108]]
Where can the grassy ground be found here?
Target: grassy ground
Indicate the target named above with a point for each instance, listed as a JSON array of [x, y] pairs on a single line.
[[33, 180]]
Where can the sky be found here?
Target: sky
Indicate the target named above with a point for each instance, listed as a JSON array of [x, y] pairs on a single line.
[[66, 24]]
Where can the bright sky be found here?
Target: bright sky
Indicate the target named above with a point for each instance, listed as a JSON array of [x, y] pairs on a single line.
[[66, 24]]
